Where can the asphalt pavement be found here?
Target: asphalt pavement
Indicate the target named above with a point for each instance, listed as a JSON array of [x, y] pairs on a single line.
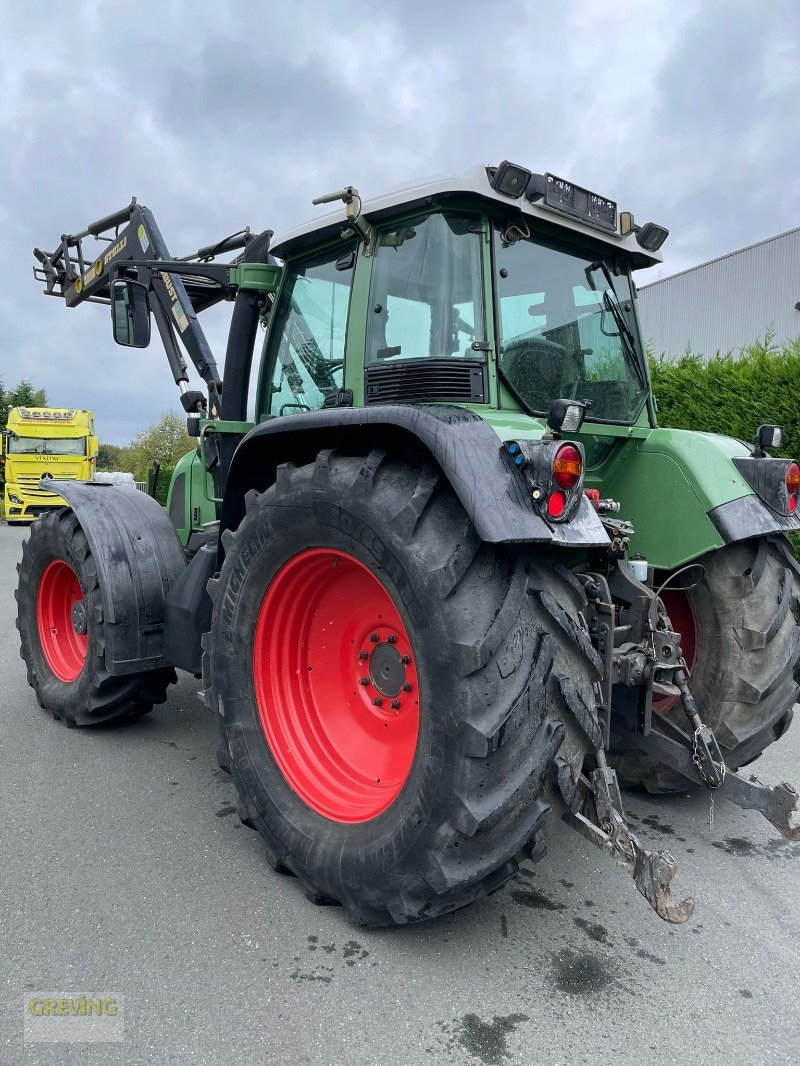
[[124, 872]]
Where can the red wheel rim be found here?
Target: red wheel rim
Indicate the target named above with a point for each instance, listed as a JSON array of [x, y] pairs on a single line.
[[336, 685], [61, 619], [681, 614]]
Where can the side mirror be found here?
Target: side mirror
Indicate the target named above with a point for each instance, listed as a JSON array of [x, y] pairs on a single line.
[[130, 313]]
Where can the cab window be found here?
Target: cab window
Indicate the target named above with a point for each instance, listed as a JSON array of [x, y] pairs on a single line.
[[308, 345], [426, 296]]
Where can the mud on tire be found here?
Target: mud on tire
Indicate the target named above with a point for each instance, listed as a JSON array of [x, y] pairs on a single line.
[[745, 681], [94, 696], [501, 656]]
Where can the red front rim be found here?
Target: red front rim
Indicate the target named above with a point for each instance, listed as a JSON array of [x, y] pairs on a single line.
[[336, 685], [62, 621], [681, 614]]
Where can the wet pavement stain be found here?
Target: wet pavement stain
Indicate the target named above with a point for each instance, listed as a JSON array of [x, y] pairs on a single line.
[[744, 848], [593, 930], [535, 900], [652, 821], [642, 954], [353, 952], [486, 1041], [580, 973], [315, 976], [225, 810], [745, 993], [504, 926]]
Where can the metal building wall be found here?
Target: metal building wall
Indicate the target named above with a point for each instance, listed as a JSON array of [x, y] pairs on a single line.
[[727, 302]]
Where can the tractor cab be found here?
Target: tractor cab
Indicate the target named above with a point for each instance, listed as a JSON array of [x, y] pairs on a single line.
[[465, 291]]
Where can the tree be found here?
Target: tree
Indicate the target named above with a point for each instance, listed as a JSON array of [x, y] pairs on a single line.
[[25, 394], [111, 457], [165, 440]]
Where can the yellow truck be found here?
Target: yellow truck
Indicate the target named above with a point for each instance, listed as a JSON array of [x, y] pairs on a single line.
[[57, 442]]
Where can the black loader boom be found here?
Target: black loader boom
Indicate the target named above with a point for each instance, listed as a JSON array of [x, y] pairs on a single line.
[[182, 287]]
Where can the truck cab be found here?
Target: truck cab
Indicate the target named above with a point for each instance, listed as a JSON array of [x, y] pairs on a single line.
[[44, 442]]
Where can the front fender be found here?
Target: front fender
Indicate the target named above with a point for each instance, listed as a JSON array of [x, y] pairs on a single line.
[[138, 557], [464, 447]]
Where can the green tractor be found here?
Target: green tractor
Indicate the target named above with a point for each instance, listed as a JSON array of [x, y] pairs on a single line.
[[442, 574]]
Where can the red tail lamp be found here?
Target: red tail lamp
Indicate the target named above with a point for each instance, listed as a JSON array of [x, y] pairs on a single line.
[[567, 469], [556, 502], [792, 484]]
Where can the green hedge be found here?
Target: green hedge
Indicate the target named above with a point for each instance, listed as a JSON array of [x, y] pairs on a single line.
[[732, 396]]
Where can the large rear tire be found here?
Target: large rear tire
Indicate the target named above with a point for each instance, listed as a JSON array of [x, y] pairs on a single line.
[[740, 625], [60, 623], [393, 692]]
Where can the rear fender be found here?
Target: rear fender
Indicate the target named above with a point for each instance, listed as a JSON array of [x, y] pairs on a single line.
[[464, 447], [138, 558]]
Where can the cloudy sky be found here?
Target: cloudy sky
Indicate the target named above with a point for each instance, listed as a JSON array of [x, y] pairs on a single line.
[[220, 115]]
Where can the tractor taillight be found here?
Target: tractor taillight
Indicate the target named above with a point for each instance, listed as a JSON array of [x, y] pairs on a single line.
[[567, 468], [792, 481], [556, 502]]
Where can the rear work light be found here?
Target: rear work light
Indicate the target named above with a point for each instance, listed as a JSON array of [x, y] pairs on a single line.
[[792, 485], [567, 467]]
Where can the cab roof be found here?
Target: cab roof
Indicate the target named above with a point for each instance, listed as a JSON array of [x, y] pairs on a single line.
[[472, 184]]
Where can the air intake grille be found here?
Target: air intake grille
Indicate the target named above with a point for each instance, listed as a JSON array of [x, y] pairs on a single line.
[[427, 381]]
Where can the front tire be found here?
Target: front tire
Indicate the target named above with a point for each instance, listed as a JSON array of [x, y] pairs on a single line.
[[348, 549], [61, 627], [741, 622]]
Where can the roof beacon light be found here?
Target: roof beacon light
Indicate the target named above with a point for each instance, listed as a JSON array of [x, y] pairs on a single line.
[[510, 179], [651, 236]]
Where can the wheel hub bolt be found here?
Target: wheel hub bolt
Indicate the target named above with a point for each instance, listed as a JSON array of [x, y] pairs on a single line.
[[378, 701], [78, 617], [374, 638], [363, 681], [363, 655], [392, 639], [395, 705], [407, 686], [405, 659]]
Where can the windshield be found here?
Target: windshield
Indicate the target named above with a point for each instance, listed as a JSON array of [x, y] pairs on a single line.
[[46, 446], [567, 331]]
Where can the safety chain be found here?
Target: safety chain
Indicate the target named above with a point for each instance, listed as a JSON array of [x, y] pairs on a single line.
[[712, 787]]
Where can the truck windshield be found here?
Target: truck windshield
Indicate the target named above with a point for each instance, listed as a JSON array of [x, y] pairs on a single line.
[[567, 330], [46, 445]]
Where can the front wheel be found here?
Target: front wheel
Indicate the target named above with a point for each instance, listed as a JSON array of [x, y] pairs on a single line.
[[394, 693], [740, 637], [61, 626]]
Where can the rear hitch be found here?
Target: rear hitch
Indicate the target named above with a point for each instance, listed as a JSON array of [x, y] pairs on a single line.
[[595, 811], [697, 757]]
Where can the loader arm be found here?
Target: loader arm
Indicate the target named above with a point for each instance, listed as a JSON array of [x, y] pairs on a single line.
[[135, 249]]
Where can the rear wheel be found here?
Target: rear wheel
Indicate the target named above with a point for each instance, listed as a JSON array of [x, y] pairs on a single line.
[[60, 622], [740, 636], [393, 692]]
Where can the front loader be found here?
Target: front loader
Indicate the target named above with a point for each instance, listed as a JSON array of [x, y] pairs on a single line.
[[441, 572]]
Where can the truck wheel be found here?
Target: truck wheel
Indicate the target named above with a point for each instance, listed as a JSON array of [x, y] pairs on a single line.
[[394, 691], [741, 639], [60, 622]]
